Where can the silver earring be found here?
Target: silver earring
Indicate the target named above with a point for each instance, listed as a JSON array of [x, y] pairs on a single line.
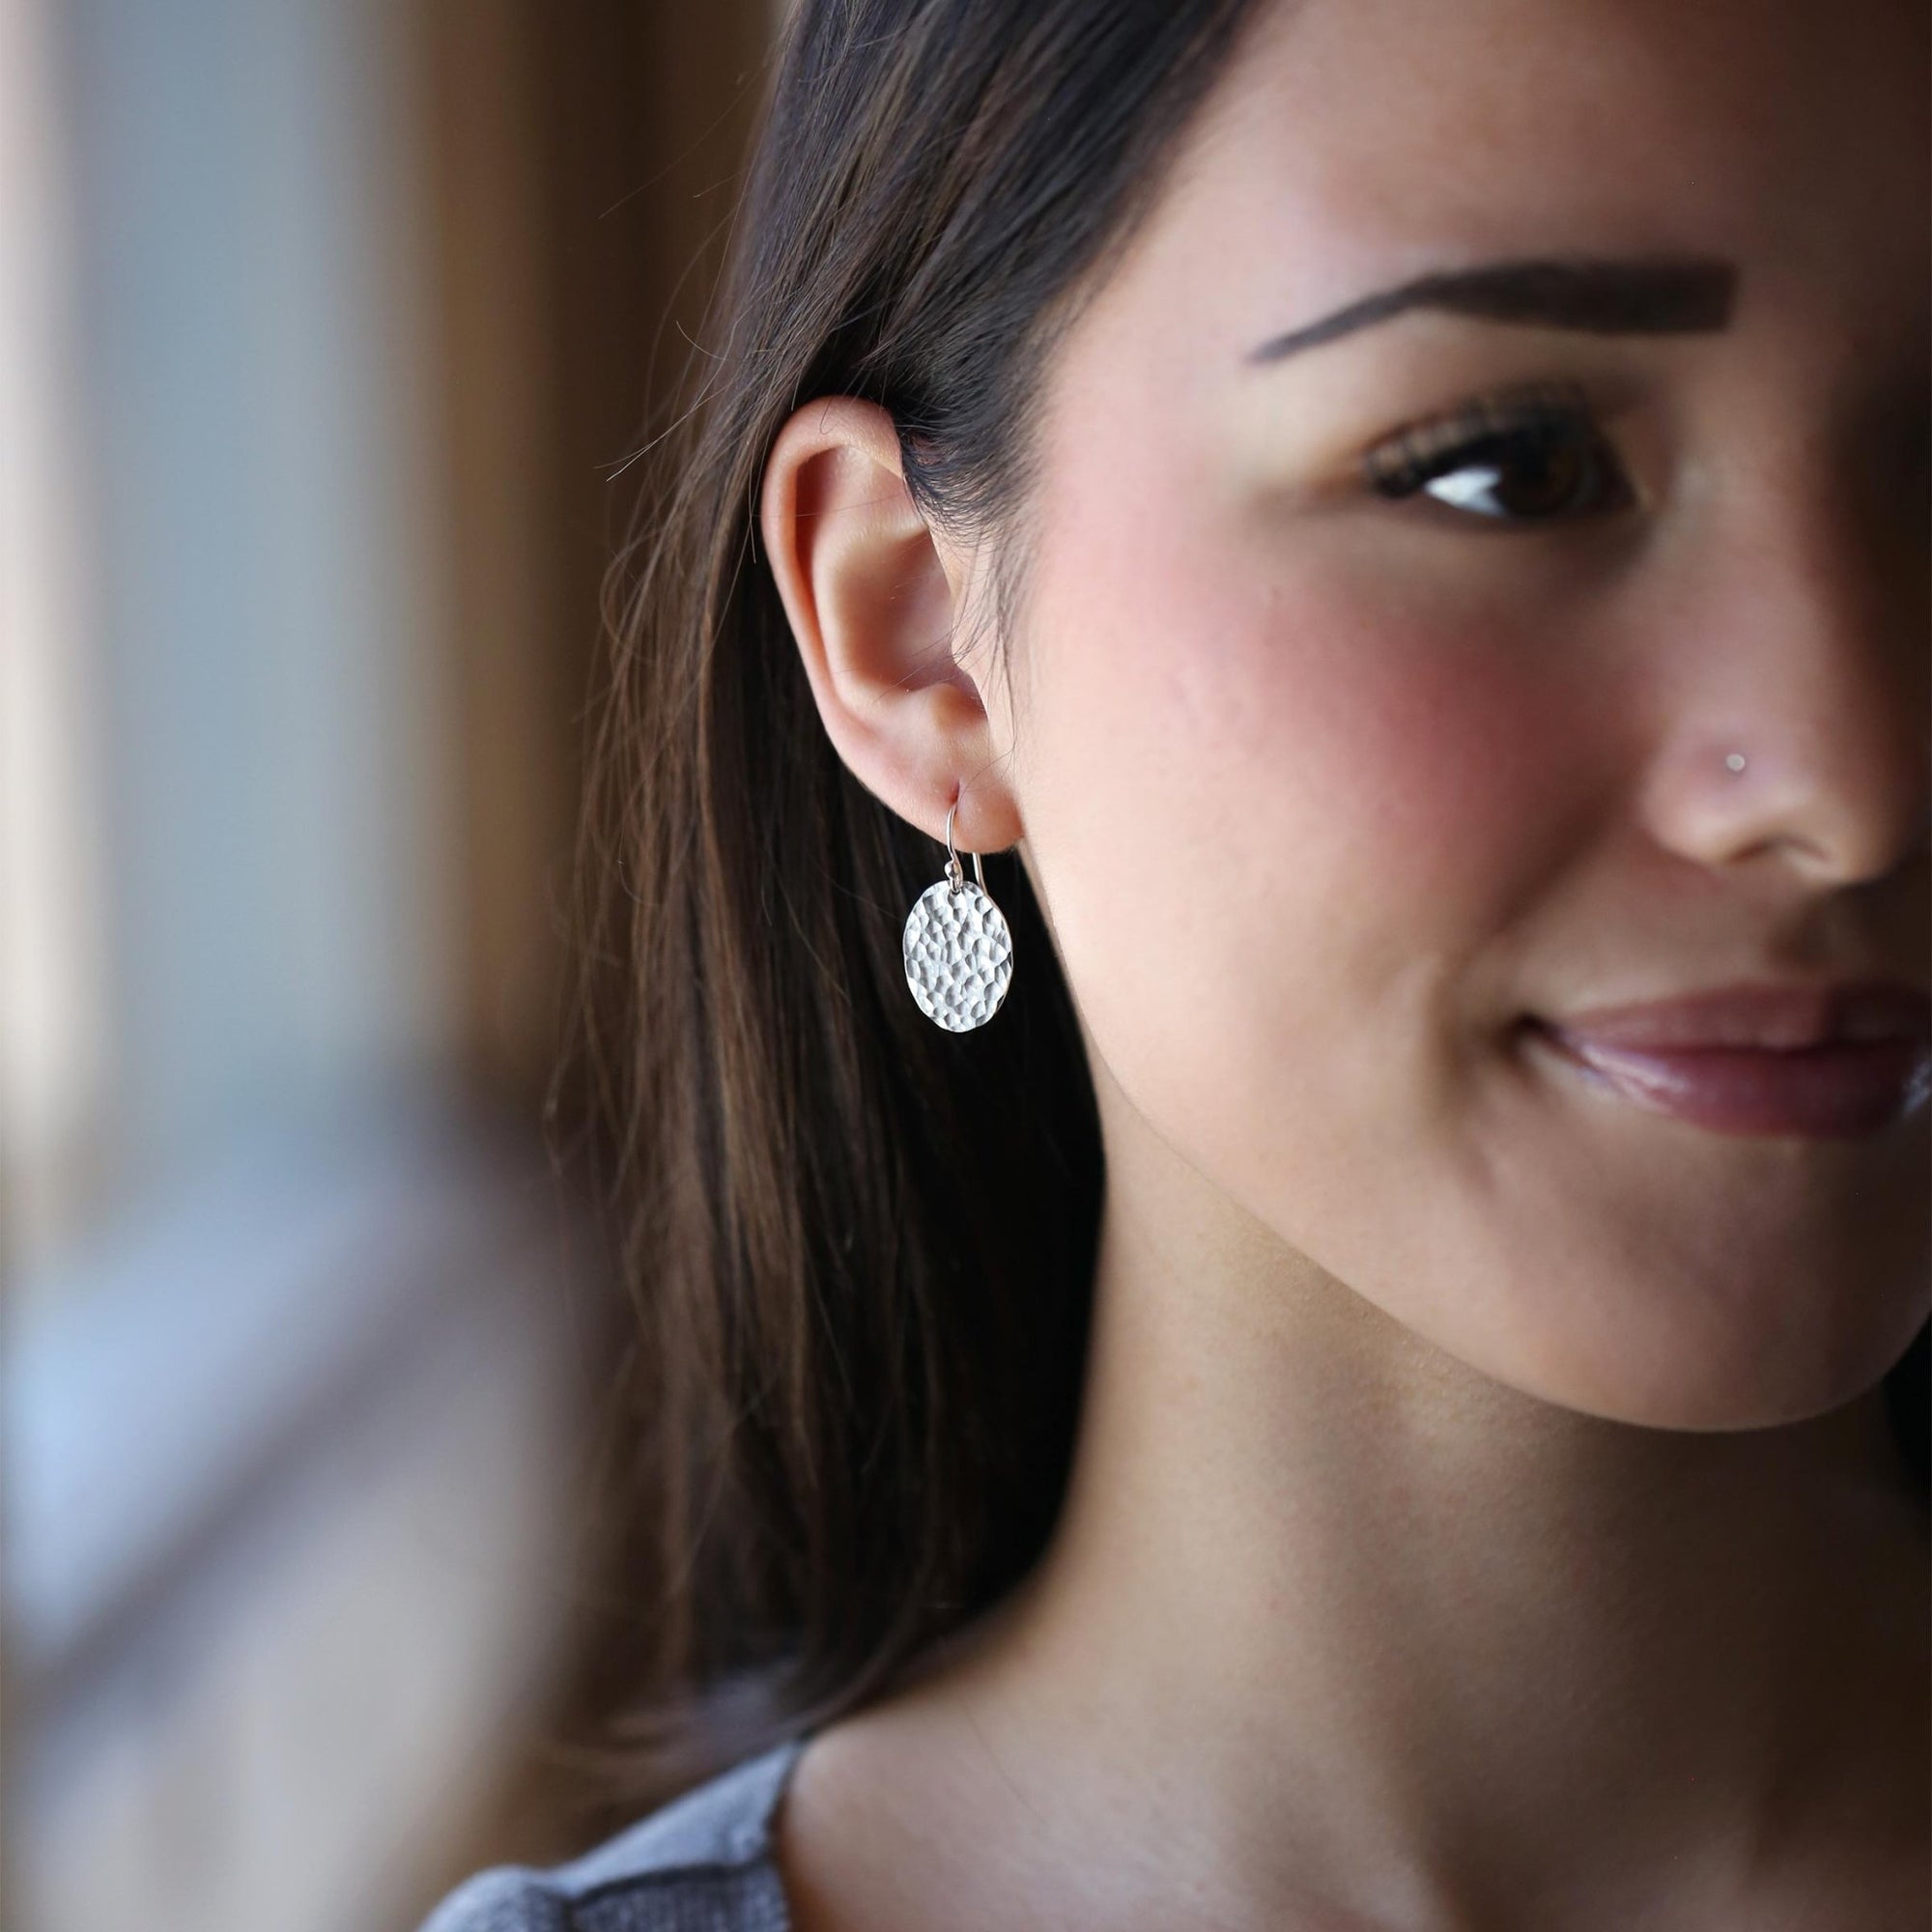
[[958, 952]]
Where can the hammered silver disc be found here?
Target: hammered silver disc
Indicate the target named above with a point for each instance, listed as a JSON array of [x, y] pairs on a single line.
[[958, 955]]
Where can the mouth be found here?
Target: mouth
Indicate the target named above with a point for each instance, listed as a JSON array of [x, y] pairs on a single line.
[[1836, 1089]]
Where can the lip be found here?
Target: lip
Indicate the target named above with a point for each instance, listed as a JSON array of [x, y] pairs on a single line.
[[1760, 1015], [1839, 1089]]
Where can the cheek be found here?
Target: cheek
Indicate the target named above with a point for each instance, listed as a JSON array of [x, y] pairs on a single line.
[[1280, 814], [1396, 753]]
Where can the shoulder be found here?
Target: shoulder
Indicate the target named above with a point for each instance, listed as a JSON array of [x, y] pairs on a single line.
[[702, 1864]]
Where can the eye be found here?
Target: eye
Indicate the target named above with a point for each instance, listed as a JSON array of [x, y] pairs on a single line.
[[1525, 458]]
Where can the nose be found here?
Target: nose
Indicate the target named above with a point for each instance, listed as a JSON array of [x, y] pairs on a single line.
[[1807, 653]]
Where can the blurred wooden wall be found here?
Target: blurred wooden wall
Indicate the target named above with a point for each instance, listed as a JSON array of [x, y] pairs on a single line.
[[584, 162], [586, 158]]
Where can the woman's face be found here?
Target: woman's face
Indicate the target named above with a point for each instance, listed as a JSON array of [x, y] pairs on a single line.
[[1325, 790]]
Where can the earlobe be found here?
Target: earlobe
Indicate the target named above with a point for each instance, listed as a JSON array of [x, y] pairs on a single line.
[[875, 601]]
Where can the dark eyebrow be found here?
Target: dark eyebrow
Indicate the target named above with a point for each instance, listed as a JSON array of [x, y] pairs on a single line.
[[1649, 296]]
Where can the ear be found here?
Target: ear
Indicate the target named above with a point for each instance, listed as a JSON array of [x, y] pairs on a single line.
[[875, 602]]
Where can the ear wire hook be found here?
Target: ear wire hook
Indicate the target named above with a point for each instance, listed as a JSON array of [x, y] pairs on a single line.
[[956, 877]]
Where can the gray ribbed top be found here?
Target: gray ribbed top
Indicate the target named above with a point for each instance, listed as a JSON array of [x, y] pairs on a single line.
[[702, 1864]]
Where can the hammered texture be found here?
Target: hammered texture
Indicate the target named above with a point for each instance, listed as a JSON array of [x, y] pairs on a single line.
[[958, 955]]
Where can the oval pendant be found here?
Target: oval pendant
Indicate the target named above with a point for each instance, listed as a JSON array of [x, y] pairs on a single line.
[[958, 955]]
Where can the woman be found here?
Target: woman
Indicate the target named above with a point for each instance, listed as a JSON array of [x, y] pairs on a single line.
[[1407, 526]]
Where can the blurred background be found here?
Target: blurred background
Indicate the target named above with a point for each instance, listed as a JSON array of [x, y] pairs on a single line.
[[328, 332]]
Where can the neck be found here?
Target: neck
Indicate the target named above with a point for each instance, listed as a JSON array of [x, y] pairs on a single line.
[[1390, 1633]]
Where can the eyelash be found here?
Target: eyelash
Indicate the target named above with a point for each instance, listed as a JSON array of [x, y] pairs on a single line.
[[1545, 421]]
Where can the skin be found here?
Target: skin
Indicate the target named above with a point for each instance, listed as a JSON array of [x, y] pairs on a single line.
[[1485, 1513]]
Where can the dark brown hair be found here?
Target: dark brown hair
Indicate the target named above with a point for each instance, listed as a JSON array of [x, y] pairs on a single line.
[[859, 1249]]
